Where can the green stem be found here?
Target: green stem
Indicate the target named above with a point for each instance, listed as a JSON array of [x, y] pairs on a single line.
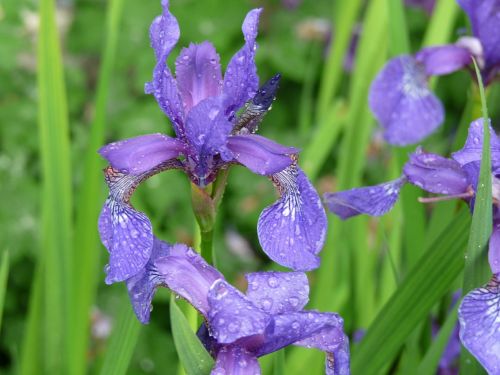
[[207, 246]]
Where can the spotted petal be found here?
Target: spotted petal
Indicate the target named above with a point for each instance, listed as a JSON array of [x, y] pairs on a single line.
[[292, 230], [240, 80], [479, 316], [401, 101], [371, 200], [435, 173], [234, 360], [278, 292], [164, 34], [198, 74]]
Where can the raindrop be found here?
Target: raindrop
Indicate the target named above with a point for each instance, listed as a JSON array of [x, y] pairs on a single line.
[[267, 303], [273, 282]]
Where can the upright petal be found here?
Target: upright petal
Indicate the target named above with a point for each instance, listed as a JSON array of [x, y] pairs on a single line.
[[401, 101], [292, 230], [436, 174], [259, 154], [445, 59], [198, 73], [187, 274], [240, 80], [494, 248], [232, 315], [473, 148], [141, 154], [234, 360], [485, 20], [479, 316], [371, 200], [164, 34], [278, 292], [142, 287]]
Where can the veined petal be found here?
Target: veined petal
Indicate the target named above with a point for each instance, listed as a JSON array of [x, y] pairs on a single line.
[[234, 360], [141, 154], [232, 315], [260, 154], [445, 59], [142, 287], [435, 173], [372, 200], [278, 292], [240, 80], [479, 316], [198, 73], [401, 101], [164, 34], [485, 20], [473, 148], [292, 230], [187, 274], [494, 248]]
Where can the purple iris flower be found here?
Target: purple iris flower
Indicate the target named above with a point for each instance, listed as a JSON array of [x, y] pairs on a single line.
[[455, 177], [400, 97], [210, 136], [241, 327]]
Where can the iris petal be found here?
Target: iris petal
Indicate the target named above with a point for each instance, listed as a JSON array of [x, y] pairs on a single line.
[[234, 360]]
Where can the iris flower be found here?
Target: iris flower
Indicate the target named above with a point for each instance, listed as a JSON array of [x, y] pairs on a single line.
[[240, 327], [210, 136], [400, 97], [455, 177]]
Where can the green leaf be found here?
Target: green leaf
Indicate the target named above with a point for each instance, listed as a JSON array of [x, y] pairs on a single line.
[[425, 284], [477, 271], [442, 22], [192, 354], [122, 342], [399, 41], [4, 272]]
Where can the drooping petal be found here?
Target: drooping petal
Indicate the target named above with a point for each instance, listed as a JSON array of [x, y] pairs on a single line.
[[479, 316], [232, 315], [485, 20], [164, 34], [436, 174], [187, 274], [473, 148], [260, 154], [445, 59], [402, 102], [278, 292], [234, 360], [240, 80], [142, 287], [371, 200], [292, 230], [254, 111], [494, 248], [141, 154], [198, 74]]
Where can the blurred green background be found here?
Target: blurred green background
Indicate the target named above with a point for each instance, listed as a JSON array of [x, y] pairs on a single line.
[[58, 314]]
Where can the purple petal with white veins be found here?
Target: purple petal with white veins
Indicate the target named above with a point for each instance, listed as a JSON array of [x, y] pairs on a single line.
[[401, 101], [494, 248], [142, 287], [435, 173], [232, 315], [198, 74], [240, 80], [473, 148], [164, 34], [187, 274], [292, 230], [259, 154], [140, 154], [234, 360], [485, 20], [278, 292], [371, 200], [445, 59], [479, 316]]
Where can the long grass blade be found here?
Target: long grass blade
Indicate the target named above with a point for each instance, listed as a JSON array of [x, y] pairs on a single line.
[[4, 273]]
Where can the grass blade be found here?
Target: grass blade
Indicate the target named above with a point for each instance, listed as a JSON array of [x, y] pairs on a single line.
[[431, 277], [4, 272], [193, 356], [442, 21]]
